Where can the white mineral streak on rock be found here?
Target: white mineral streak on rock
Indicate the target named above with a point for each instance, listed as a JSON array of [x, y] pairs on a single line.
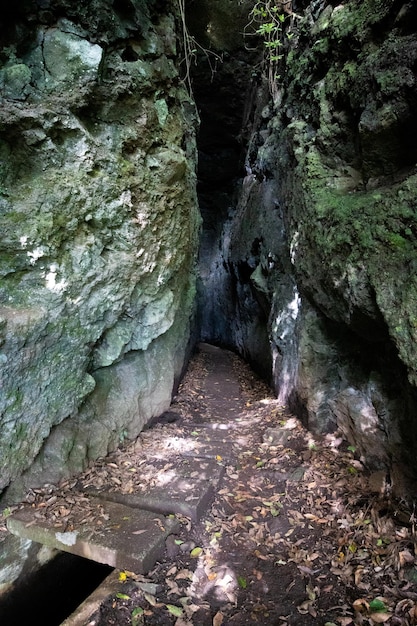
[[51, 282], [35, 254], [284, 330]]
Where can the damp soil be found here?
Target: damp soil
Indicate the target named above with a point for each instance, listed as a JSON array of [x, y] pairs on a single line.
[[299, 532]]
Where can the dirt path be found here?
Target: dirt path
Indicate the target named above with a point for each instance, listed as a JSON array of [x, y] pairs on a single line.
[[294, 535]]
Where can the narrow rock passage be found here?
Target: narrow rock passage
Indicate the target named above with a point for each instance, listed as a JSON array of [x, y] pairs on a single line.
[[271, 526]]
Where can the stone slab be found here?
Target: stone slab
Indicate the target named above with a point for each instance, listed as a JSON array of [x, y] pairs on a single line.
[[221, 452], [191, 506], [212, 444], [127, 538], [187, 489]]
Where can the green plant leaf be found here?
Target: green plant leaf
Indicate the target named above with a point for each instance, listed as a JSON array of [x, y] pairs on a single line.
[[137, 611], [122, 596], [275, 511], [377, 606], [196, 552], [242, 582], [174, 610], [137, 616]]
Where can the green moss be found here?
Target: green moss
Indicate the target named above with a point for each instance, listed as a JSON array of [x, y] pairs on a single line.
[[368, 223], [389, 81], [126, 168], [340, 79], [353, 18], [396, 241], [321, 46]]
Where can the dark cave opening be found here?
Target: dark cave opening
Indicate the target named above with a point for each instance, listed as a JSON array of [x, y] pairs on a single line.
[[50, 594], [225, 88]]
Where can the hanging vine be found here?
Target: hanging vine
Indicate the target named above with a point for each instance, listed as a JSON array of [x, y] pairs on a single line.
[[268, 19], [191, 47]]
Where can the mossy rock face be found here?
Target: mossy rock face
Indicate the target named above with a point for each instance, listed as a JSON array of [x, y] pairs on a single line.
[[339, 146], [14, 81], [99, 225]]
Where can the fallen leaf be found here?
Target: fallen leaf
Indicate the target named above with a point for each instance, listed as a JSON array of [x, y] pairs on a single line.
[[218, 619], [405, 557], [174, 610], [184, 574], [242, 582], [303, 608], [151, 599], [380, 618], [260, 555], [361, 606], [377, 605], [195, 552], [311, 592], [137, 616], [173, 587]]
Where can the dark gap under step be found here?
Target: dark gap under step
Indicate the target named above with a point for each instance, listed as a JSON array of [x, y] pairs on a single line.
[[52, 593]]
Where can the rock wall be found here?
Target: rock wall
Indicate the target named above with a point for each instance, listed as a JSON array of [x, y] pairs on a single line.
[[329, 225], [99, 224]]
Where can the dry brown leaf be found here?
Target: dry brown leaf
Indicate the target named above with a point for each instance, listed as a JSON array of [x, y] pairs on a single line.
[[218, 619], [260, 556], [358, 574], [190, 609], [173, 587], [184, 573], [413, 614], [380, 618], [405, 557], [304, 607], [361, 605]]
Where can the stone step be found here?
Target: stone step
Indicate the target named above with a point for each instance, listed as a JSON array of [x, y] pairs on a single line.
[[187, 489], [118, 535], [213, 444]]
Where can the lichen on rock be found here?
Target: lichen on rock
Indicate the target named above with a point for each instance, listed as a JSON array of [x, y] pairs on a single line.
[[99, 232]]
